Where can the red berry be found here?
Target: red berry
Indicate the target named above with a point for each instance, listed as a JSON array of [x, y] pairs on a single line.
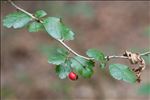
[[73, 76]]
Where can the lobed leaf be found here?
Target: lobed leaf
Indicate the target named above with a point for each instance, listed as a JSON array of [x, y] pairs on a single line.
[[40, 13], [82, 67], [57, 29], [35, 27], [16, 20], [58, 56], [122, 72], [97, 55], [87, 72], [67, 34], [63, 70]]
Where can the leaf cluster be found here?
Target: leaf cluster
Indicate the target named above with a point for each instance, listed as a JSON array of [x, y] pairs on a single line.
[[60, 56]]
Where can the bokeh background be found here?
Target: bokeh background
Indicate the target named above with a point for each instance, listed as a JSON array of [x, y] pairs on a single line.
[[111, 26]]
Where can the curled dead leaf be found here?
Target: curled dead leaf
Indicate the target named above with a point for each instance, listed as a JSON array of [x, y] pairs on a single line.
[[135, 58]]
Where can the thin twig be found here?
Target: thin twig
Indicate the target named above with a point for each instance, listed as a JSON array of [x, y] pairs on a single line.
[[114, 56], [145, 53], [66, 46], [124, 57], [74, 51], [13, 4]]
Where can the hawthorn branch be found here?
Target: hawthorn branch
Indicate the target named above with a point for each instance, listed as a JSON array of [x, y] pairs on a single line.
[[60, 41], [65, 45], [13, 4]]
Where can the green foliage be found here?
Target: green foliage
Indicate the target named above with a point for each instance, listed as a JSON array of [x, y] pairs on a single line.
[[87, 72], [57, 29], [66, 33], [40, 13], [35, 27], [144, 89], [98, 56], [82, 67], [122, 72], [58, 56], [63, 70], [16, 20]]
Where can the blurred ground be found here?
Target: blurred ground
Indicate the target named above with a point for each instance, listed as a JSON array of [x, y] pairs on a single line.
[[110, 26]]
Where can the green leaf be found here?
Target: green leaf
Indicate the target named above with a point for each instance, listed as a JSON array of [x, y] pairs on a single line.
[[57, 29], [67, 34], [58, 56], [82, 67], [63, 70], [35, 27], [16, 20], [122, 72], [40, 13], [97, 55], [76, 65], [51, 25], [87, 72]]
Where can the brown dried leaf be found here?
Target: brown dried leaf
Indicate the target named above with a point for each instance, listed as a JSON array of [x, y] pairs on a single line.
[[135, 58]]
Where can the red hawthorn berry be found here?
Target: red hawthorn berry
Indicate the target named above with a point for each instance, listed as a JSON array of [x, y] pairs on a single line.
[[73, 76]]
